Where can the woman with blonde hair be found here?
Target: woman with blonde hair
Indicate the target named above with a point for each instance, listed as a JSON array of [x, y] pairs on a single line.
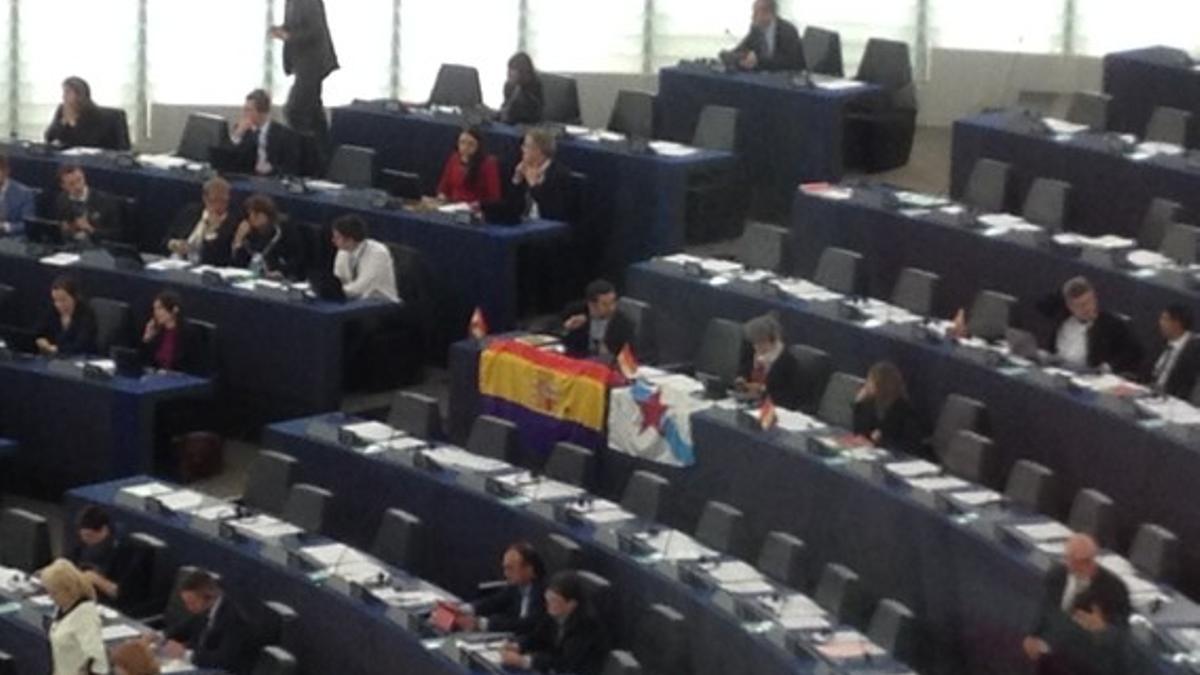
[[76, 645], [883, 413]]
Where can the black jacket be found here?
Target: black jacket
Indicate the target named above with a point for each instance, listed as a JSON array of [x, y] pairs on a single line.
[[901, 427], [1109, 340], [1073, 649], [580, 649], [102, 210], [123, 565], [522, 104], [215, 252], [283, 151], [1182, 378], [1106, 590], [228, 644], [78, 339], [577, 342], [553, 195], [789, 50], [90, 131], [309, 50], [288, 255], [783, 379], [502, 609], [189, 351]]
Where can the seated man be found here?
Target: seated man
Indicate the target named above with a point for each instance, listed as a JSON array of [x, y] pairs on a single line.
[[772, 43], [542, 185], [217, 635], [104, 559], [203, 233], [16, 201], [85, 214], [1176, 368], [568, 640], [772, 371], [595, 327], [1087, 336], [262, 146], [364, 266], [267, 245], [520, 605]]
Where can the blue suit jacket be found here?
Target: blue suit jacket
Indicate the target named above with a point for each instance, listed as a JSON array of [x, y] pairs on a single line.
[[17, 205]]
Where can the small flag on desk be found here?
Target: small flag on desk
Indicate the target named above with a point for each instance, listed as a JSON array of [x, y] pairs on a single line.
[[627, 362], [443, 616], [767, 418], [478, 327]]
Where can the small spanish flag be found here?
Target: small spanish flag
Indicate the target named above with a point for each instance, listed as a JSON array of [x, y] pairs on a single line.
[[767, 418], [627, 362], [478, 328]]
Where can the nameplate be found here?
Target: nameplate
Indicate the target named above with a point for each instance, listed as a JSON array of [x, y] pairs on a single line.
[[130, 501], [722, 598], [1122, 406], [65, 368], [276, 553], [323, 431], [1186, 433], [544, 509], [211, 527], [340, 585], [1100, 257], [280, 293], [1177, 278], [778, 635], [1055, 381], [607, 537], [473, 481]]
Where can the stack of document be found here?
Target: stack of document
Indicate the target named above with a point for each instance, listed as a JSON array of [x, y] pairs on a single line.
[[165, 162], [265, 528], [601, 512], [808, 291], [738, 578], [1000, 224], [1107, 242], [228, 274], [537, 488], [407, 443], [669, 149], [168, 265], [795, 421], [848, 644], [913, 469], [144, 491], [1063, 127], [371, 432], [1044, 531], [675, 546], [827, 191], [323, 185], [920, 199], [1151, 259], [1171, 410], [798, 612], [462, 461], [838, 85], [61, 259], [410, 599], [184, 501], [880, 313], [978, 498]]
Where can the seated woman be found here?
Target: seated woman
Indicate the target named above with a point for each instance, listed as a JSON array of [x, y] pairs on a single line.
[[883, 413], [77, 121], [523, 97], [69, 328], [568, 640], [470, 174], [169, 342], [76, 643]]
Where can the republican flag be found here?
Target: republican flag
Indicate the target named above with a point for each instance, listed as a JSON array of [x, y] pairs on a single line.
[[627, 362], [767, 418], [477, 328]]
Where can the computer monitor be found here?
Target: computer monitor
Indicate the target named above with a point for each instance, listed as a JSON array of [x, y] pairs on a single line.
[[201, 134]]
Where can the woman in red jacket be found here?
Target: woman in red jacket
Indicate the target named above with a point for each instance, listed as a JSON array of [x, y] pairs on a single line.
[[470, 175]]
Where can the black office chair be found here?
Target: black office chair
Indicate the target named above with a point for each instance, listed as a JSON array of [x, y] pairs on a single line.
[[1093, 513], [275, 661], [307, 506], [145, 591], [1047, 204], [1032, 486], [268, 481], [893, 627], [641, 315], [1159, 214], [840, 593], [633, 114], [645, 495], [989, 316], [619, 662], [402, 184], [456, 85], [1180, 243], [561, 553], [201, 133], [207, 364], [352, 166], [8, 666], [823, 51], [599, 594], [783, 559], [837, 403], [765, 247], [1090, 108], [114, 324], [840, 270], [399, 541], [116, 129], [7, 293], [815, 367], [987, 186], [971, 457], [717, 129], [493, 437], [416, 414], [1169, 125], [24, 540], [278, 628], [722, 528], [958, 413], [1155, 553], [879, 133], [571, 463], [661, 642], [560, 96], [916, 291], [722, 346]]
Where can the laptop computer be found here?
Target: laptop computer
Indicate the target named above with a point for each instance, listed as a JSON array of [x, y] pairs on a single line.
[[503, 212], [326, 286], [125, 256], [44, 231]]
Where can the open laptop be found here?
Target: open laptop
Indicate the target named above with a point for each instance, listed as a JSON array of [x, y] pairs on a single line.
[[325, 285], [44, 231]]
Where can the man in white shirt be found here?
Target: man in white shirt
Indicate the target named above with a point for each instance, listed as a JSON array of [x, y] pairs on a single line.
[[364, 266], [1089, 337], [1176, 369]]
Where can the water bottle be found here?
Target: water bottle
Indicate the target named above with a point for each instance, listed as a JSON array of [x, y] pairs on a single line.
[[258, 266]]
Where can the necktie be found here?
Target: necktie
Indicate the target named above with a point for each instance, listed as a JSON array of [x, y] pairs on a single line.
[[759, 374], [1160, 368], [354, 260]]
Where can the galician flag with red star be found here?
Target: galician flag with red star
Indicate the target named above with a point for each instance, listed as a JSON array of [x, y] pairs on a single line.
[[651, 419]]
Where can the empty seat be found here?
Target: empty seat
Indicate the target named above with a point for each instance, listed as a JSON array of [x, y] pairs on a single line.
[[560, 97], [893, 628], [837, 403], [1032, 486], [1159, 214], [598, 592], [958, 413], [571, 463], [24, 540], [268, 481], [764, 247], [1155, 553], [990, 314], [1169, 125], [717, 128], [641, 315], [114, 324], [493, 437], [661, 645], [206, 363], [146, 587], [201, 133], [116, 128], [352, 166], [456, 85], [307, 506], [839, 592], [1046, 204], [987, 186], [560, 553], [721, 349], [721, 527], [645, 495], [880, 130], [813, 367], [971, 457], [633, 114], [8, 666], [398, 541], [823, 51], [915, 291], [275, 661], [416, 414], [839, 269], [279, 625], [782, 559], [1180, 242], [619, 662], [1090, 108], [1093, 512]]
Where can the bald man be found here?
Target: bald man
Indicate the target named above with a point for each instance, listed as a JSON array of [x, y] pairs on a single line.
[[1079, 594]]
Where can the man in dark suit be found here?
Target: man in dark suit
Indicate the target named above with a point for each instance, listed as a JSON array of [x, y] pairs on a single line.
[[107, 562], [520, 605], [85, 214], [772, 43], [266, 244], [1084, 607], [16, 202], [1087, 336], [308, 54], [203, 232], [218, 634], [595, 327], [770, 370], [568, 640], [542, 184], [261, 145], [1177, 366]]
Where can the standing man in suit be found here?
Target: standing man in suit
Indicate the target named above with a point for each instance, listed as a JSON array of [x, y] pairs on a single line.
[[772, 370], [85, 214], [1177, 366], [1087, 336], [16, 201], [217, 635], [308, 54], [263, 146], [772, 43], [595, 327], [520, 605]]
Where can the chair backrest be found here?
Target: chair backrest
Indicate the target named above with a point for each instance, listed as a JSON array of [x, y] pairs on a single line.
[[1155, 553], [268, 481], [148, 582], [114, 323], [814, 367], [1169, 125], [886, 63], [840, 593], [722, 528], [1047, 203], [645, 495], [783, 559], [116, 128], [661, 645], [24, 540], [717, 128], [352, 166], [1093, 512], [399, 540], [633, 114], [561, 553], [207, 343], [561, 99], [840, 270], [1090, 108], [599, 595], [823, 51], [1180, 242], [916, 290], [6, 295], [8, 666], [493, 437], [416, 414], [987, 186], [641, 315], [893, 627], [764, 247], [201, 133], [278, 624], [837, 403], [1159, 214], [971, 457], [1032, 486], [275, 661], [958, 413], [456, 85], [571, 463], [721, 348], [307, 506], [989, 315], [619, 662]]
